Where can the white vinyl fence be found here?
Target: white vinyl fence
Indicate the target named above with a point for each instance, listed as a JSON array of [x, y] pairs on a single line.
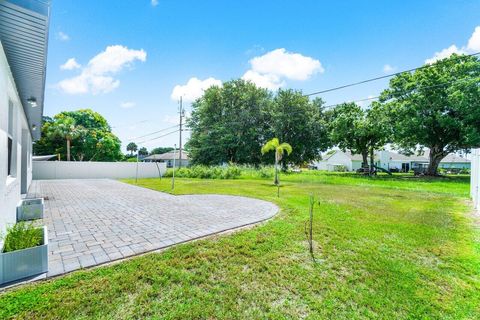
[[475, 178], [43, 170]]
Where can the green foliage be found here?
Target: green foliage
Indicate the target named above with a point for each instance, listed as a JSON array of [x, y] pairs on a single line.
[[437, 107], [89, 133], [132, 159], [229, 124], [207, 172], [22, 235], [301, 122], [143, 151], [161, 150], [362, 131], [132, 147], [232, 123]]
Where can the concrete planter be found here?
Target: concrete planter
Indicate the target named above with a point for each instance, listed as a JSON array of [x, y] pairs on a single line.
[[30, 209], [20, 264]]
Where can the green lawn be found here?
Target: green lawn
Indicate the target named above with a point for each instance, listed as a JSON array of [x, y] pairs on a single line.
[[386, 247]]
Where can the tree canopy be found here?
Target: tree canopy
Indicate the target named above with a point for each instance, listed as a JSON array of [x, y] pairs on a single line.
[[89, 134], [436, 107], [231, 123]]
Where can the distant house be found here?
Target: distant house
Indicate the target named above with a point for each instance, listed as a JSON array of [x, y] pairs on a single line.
[[168, 158], [335, 160]]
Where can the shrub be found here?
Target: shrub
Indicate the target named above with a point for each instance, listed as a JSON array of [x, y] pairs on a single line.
[[204, 172], [22, 235]]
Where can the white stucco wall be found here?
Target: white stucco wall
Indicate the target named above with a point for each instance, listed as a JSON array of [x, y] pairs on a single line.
[[10, 195], [475, 178], [340, 158], [44, 170]]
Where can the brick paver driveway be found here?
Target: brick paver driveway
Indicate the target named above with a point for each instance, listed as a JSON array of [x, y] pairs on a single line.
[[96, 221]]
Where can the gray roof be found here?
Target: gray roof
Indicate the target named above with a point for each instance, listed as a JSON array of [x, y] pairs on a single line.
[[168, 156], [24, 36]]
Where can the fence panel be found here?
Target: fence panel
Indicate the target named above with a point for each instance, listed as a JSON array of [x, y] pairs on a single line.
[[43, 170]]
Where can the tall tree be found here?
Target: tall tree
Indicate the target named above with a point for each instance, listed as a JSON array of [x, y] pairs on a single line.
[[132, 147], [437, 107], [279, 149], [362, 131], [143, 151], [229, 124], [301, 122], [66, 128], [96, 142]]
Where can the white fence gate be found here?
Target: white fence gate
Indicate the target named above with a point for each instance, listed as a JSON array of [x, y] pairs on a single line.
[[475, 178], [43, 170]]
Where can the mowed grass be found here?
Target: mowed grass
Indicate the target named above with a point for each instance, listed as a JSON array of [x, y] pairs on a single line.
[[385, 247]]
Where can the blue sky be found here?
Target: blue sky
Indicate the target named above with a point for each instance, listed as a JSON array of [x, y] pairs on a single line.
[[126, 57]]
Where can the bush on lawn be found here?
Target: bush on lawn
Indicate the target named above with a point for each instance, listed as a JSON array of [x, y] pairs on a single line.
[[204, 172]]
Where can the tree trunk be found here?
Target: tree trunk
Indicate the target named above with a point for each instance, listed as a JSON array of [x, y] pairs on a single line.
[[436, 155], [276, 170], [68, 149], [364, 159], [372, 160]]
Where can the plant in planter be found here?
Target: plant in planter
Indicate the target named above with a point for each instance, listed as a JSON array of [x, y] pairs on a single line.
[[24, 253], [30, 209]]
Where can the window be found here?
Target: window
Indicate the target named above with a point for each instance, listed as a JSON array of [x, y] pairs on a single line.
[[11, 161]]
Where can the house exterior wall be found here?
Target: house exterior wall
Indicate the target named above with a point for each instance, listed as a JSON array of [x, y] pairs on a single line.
[[11, 111], [475, 178], [455, 165], [339, 158]]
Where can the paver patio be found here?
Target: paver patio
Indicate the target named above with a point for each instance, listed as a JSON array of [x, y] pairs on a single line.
[[92, 222]]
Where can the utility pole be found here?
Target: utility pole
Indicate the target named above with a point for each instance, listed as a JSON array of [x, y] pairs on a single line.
[[173, 174], [181, 112]]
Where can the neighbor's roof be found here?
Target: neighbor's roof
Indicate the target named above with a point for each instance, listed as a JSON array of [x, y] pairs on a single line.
[[168, 156], [401, 157], [24, 37]]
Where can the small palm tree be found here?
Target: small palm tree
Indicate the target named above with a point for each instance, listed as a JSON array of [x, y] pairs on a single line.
[[280, 149], [67, 129]]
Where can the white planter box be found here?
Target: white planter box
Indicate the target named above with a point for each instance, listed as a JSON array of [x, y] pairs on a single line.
[[20, 264], [30, 209]]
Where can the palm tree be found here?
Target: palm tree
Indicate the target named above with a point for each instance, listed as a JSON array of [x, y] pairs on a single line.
[[132, 147], [280, 149], [67, 129]]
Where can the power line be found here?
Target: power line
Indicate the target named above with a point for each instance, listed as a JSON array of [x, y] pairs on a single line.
[[382, 77], [163, 135], [155, 132]]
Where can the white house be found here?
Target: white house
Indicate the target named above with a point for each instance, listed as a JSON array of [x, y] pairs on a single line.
[[335, 160], [168, 157], [23, 52]]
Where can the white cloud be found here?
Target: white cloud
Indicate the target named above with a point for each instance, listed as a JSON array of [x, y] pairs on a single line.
[[193, 89], [70, 64], [445, 53], [97, 76], [472, 46], [62, 36], [292, 66], [267, 81], [154, 3], [474, 41], [127, 104], [271, 69], [388, 68]]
